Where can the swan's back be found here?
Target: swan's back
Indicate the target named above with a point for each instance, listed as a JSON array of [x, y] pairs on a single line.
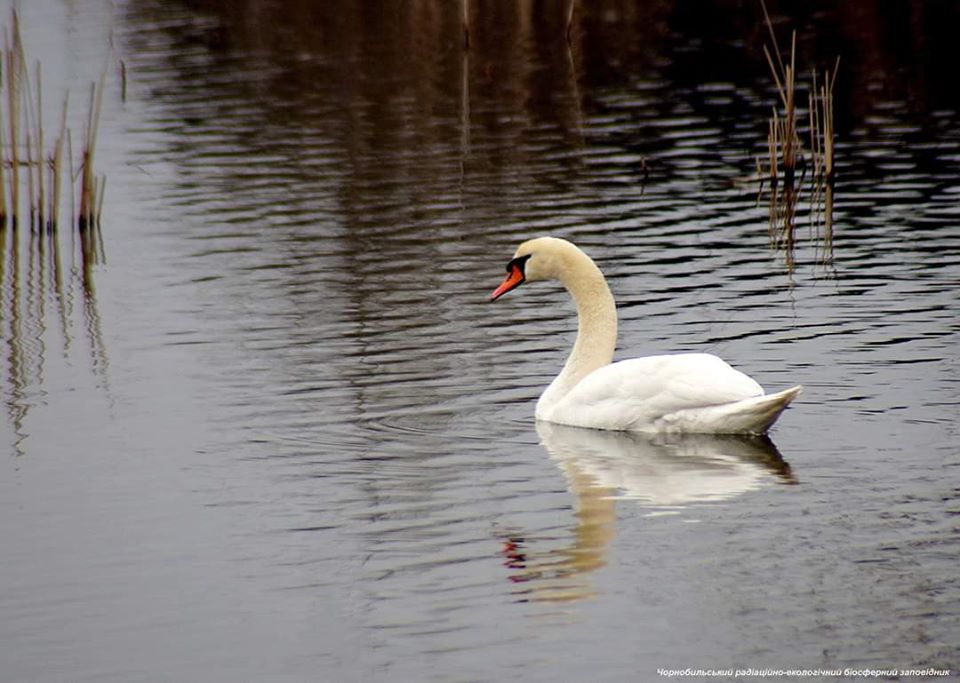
[[692, 392]]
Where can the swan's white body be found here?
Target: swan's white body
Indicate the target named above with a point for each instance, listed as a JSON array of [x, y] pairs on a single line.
[[689, 392]]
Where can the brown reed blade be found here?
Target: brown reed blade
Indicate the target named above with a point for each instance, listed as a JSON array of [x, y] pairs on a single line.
[[40, 196], [30, 193], [88, 195], [776, 75], [3, 195], [11, 57], [56, 163], [773, 39]]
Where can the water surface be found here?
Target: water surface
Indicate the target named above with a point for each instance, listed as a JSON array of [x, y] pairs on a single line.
[[278, 433]]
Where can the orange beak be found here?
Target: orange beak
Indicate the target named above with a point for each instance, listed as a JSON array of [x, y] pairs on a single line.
[[514, 279]]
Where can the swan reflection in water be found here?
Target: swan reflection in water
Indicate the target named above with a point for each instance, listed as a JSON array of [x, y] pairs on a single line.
[[665, 473]]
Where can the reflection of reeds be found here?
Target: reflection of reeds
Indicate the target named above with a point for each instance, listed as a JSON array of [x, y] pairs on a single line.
[[123, 81], [55, 163], [571, 10], [41, 278], [25, 147]]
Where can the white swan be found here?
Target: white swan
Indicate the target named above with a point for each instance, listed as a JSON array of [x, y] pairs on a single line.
[[687, 392]]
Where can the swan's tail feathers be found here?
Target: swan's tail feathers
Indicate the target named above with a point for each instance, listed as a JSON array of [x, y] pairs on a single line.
[[761, 412], [750, 416]]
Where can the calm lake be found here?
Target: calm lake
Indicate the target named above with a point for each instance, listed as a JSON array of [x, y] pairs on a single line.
[[271, 429]]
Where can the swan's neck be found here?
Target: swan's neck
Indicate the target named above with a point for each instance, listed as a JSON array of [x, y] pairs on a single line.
[[596, 328]]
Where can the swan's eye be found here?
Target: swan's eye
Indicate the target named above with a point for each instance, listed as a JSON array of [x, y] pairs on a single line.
[[519, 263]]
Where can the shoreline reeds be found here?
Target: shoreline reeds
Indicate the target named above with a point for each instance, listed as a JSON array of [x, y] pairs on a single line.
[[784, 148], [24, 147], [53, 262], [786, 155]]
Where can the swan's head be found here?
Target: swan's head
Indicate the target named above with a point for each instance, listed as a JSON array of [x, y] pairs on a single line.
[[543, 258]]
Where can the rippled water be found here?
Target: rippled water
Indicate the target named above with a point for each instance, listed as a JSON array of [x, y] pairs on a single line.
[[280, 433]]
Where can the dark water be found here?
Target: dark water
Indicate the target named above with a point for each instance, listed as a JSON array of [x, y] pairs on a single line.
[[279, 433]]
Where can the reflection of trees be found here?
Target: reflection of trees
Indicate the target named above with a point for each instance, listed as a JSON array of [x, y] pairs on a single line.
[[907, 45], [348, 83], [351, 79]]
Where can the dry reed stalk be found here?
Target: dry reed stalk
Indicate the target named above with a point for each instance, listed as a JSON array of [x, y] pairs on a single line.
[[784, 75], [786, 139], [13, 69], [821, 125], [40, 196], [790, 124], [786, 154], [3, 185], [773, 39], [88, 196], [816, 151], [29, 164], [86, 173], [828, 130], [465, 19], [55, 164], [784, 150], [72, 175], [23, 141], [773, 137], [826, 133]]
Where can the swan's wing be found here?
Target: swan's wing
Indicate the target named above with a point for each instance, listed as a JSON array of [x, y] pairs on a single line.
[[636, 393]]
